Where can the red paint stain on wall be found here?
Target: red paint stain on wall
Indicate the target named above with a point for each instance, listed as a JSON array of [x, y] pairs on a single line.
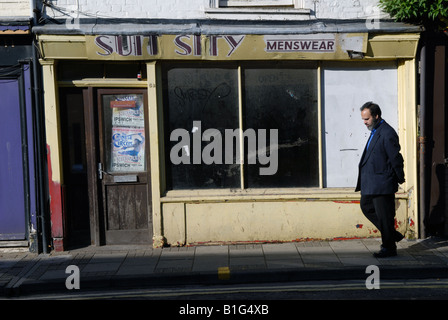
[[346, 201], [397, 224], [56, 208], [345, 238]]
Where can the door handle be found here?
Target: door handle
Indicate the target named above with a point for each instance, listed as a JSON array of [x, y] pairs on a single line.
[[101, 171]]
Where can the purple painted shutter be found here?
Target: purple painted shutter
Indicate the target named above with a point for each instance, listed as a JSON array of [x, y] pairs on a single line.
[[12, 205]]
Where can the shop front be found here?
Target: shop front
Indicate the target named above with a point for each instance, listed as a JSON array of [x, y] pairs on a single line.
[[179, 136]]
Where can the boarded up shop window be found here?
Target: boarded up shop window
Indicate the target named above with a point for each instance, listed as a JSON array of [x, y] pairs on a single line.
[[346, 87], [284, 99], [198, 99], [201, 102]]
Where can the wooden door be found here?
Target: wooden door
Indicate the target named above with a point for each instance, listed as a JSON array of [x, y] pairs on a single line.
[[123, 167]]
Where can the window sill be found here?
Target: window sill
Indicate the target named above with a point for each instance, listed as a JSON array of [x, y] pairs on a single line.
[[274, 194], [279, 11]]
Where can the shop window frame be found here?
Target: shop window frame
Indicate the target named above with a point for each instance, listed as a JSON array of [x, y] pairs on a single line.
[[240, 69], [258, 7], [297, 4]]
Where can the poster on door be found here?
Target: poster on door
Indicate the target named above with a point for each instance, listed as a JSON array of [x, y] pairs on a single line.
[[128, 149], [127, 111]]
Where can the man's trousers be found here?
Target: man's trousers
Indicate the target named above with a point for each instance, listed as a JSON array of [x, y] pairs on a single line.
[[380, 210]]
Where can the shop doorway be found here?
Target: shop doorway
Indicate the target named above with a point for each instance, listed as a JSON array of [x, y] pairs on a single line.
[[76, 201], [117, 143]]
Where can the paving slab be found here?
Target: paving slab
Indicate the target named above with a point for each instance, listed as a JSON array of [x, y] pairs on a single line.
[[210, 258]]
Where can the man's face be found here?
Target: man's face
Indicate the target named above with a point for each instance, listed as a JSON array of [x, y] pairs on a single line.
[[369, 121]]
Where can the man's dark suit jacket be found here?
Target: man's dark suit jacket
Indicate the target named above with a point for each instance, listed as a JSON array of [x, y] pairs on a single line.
[[381, 165]]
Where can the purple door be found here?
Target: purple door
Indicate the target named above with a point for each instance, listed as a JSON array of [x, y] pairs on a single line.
[[12, 204]]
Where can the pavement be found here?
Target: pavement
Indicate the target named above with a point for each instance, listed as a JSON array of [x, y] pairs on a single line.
[[23, 273]]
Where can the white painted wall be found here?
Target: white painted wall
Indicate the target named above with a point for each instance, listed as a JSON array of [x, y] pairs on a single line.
[[15, 8], [204, 9]]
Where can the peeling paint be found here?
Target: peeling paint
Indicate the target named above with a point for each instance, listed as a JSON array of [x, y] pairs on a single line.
[[346, 238], [346, 201], [253, 242], [159, 241]]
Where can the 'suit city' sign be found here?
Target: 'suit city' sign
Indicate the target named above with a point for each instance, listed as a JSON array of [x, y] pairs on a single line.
[[220, 47], [125, 46], [182, 45], [193, 45]]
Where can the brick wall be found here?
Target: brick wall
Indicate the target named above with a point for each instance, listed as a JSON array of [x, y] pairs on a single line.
[[343, 9], [200, 9], [15, 8]]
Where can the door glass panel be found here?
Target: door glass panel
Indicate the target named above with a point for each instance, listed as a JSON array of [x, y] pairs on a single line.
[[124, 132]]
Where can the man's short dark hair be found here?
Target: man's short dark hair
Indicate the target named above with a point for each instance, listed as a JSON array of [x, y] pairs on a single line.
[[373, 107]]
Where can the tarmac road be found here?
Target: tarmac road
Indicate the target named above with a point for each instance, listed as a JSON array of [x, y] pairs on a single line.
[[411, 289]]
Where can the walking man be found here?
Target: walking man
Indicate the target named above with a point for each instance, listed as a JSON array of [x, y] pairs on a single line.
[[380, 172]]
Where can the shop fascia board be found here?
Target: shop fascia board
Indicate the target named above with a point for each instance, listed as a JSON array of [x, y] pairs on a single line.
[[64, 42], [375, 46]]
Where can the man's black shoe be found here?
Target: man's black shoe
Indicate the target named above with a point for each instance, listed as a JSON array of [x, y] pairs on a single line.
[[384, 253]]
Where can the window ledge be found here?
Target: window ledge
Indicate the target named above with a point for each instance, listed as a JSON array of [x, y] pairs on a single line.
[[277, 194], [101, 82], [293, 11]]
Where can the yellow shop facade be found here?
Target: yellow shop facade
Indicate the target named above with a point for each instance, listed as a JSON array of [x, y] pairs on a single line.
[[206, 133]]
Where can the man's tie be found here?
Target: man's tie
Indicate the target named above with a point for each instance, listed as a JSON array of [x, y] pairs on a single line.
[[370, 138]]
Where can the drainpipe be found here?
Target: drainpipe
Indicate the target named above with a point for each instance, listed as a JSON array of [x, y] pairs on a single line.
[[422, 141], [25, 153], [40, 138]]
